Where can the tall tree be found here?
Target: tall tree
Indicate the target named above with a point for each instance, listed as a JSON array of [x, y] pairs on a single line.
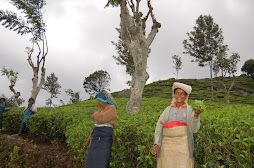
[[227, 66], [52, 86], [96, 82], [75, 97], [31, 22], [133, 33], [205, 43], [13, 77], [248, 67], [178, 64]]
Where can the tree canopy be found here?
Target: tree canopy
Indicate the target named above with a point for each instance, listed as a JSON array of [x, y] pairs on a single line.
[[205, 43], [96, 82], [248, 67], [52, 86]]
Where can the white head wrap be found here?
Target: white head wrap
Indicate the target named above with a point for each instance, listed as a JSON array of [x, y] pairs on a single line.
[[186, 88]]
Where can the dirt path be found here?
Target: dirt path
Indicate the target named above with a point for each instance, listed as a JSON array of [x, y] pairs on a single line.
[[16, 151]]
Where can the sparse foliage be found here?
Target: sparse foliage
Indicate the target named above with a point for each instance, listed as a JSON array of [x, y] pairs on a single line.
[[205, 43], [178, 64], [52, 86], [31, 23], [124, 57], [75, 98], [227, 66], [96, 82], [13, 77]]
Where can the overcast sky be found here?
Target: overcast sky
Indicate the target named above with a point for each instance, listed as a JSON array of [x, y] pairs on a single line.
[[80, 33]]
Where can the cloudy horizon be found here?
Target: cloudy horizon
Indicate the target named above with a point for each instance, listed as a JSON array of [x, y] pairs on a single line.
[[80, 33]]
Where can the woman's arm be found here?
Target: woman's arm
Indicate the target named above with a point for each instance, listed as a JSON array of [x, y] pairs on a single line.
[[159, 127], [194, 120], [88, 141]]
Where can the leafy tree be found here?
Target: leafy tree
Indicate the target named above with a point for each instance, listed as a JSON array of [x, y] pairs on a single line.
[[10, 101], [96, 82], [178, 64], [75, 98], [205, 43], [248, 67], [52, 86], [13, 77], [133, 34], [227, 66], [31, 22]]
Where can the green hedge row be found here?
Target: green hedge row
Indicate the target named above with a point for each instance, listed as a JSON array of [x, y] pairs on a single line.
[[226, 137]]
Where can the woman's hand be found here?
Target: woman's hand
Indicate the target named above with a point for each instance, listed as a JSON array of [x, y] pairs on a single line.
[[92, 111], [85, 145], [197, 112], [155, 149]]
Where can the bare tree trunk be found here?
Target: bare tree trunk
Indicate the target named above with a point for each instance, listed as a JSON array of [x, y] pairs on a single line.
[[139, 79], [227, 90], [15, 97], [36, 88], [133, 33], [41, 57], [227, 96], [211, 76]]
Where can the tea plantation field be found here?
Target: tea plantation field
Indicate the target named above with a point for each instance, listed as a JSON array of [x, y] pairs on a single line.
[[226, 137]]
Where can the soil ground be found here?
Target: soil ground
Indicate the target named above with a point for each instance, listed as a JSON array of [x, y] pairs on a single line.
[[32, 153]]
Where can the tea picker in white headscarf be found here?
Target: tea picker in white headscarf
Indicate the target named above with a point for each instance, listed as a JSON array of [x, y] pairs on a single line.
[[174, 142]]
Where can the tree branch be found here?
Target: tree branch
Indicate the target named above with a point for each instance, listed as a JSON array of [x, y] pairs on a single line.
[[155, 27], [12, 89], [126, 23]]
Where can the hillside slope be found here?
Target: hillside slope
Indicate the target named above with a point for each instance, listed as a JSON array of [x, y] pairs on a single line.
[[243, 90]]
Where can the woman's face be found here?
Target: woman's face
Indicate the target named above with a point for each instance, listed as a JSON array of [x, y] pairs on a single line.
[[30, 101], [180, 95], [100, 103]]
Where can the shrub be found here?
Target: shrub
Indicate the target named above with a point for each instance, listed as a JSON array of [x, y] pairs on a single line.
[[226, 137]]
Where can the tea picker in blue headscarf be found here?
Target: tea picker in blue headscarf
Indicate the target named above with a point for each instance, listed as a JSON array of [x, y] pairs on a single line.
[[2, 110], [100, 139], [31, 109]]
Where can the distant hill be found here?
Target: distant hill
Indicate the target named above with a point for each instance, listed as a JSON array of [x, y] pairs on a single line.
[[243, 90]]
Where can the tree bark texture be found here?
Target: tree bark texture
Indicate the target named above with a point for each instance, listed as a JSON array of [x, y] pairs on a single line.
[[227, 89], [133, 33], [15, 97], [36, 88], [40, 62]]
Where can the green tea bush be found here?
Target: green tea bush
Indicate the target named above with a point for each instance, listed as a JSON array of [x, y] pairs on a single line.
[[226, 137], [12, 119]]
